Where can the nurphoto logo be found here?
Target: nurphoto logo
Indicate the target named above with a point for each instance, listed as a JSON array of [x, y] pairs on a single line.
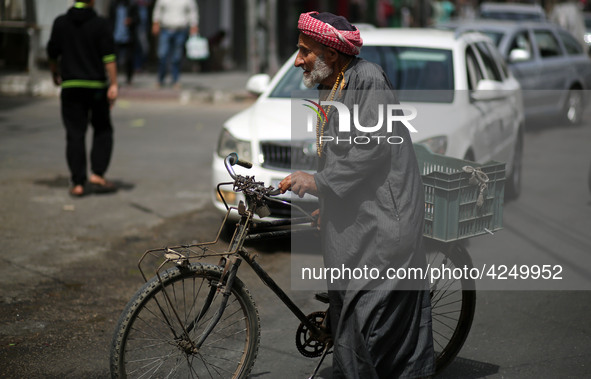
[[394, 113]]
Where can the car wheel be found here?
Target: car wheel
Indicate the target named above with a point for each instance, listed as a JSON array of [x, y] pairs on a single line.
[[573, 108], [513, 187]]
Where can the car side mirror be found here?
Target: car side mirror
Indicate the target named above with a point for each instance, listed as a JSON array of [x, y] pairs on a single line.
[[519, 55], [488, 90], [258, 83]]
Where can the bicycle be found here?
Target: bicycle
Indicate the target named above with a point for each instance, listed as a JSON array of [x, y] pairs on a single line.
[[198, 319]]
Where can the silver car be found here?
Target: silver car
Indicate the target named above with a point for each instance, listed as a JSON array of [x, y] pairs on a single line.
[[552, 67]]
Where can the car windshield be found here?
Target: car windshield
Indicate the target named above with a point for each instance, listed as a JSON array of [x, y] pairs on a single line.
[[418, 74]]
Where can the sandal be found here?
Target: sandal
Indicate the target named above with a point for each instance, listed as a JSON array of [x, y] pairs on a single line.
[[77, 191], [105, 187]]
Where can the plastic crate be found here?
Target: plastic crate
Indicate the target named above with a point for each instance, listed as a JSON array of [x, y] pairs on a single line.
[[451, 210]]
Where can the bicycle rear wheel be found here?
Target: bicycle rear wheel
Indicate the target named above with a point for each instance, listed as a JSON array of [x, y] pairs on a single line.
[[453, 301], [156, 333]]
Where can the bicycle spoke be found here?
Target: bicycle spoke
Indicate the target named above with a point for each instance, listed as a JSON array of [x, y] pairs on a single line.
[[205, 308], [446, 313], [150, 327], [192, 368], [441, 346], [155, 361], [196, 294], [225, 337], [446, 284], [223, 358], [174, 369], [205, 365], [185, 316], [173, 315], [215, 367], [143, 346], [437, 305], [443, 293], [210, 319], [452, 328], [235, 322], [146, 359]]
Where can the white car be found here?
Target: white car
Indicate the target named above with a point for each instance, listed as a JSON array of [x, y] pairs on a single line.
[[469, 106]]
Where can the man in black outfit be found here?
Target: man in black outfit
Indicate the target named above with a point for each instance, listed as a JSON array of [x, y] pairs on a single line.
[[83, 43]]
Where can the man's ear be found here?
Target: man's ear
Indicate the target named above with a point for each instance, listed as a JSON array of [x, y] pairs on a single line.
[[330, 55]]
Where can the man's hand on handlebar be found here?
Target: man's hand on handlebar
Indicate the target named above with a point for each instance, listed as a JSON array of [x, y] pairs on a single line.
[[299, 183]]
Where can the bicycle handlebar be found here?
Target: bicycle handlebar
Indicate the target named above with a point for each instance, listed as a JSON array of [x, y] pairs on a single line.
[[275, 192], [248, 186], [233, 157], [231, 160]]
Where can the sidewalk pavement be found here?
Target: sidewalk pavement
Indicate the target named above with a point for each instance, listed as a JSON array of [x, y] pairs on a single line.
[[203, 87]]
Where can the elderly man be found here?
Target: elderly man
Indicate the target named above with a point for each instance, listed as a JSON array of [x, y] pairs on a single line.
[[371, 211]]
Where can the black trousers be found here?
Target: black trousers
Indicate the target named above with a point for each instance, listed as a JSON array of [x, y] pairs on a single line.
[[79, 106]]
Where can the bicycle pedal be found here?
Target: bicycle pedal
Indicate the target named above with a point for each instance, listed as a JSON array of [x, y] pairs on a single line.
[[322, 297]]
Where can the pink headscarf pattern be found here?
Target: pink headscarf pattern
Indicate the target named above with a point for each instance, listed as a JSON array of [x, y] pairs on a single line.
[[346, 41]]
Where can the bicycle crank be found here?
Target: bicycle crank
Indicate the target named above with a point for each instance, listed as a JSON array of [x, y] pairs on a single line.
[[311, 346]]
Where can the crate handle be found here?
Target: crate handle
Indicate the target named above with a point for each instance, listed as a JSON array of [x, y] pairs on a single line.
[[477, 178]]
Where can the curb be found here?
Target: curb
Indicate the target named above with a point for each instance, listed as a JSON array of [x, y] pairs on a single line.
[[18, 85], [210, 88]]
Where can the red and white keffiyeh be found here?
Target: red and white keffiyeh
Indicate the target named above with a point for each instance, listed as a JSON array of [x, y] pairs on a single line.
[[346, 41]]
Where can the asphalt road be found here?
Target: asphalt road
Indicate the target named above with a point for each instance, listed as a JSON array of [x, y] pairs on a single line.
[[68, 265]]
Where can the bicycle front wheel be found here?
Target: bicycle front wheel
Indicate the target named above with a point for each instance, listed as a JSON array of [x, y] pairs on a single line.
[[157, 332], [453, 301]]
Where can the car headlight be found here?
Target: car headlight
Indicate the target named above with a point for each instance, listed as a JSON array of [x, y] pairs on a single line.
[[229, 144], [587, 38], [437, 144]]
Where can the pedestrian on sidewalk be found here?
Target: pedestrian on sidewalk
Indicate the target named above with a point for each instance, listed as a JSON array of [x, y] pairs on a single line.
[[142, 47], [124, 17], [172, 22], [82, 61]]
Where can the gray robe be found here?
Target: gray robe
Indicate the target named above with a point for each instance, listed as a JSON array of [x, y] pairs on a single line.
[[372, 209]]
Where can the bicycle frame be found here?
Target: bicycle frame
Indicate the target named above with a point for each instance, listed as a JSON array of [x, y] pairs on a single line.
[[218, 276], [229, 262]]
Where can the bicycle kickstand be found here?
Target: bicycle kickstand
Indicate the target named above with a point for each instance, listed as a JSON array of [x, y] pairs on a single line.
[[326, 349]]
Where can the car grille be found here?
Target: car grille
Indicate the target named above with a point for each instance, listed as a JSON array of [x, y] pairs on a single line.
[[289, 156]]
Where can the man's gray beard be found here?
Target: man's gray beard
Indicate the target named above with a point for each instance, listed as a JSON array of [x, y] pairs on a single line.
[[319, 72]]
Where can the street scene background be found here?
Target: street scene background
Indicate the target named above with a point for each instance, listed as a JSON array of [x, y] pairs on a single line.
[[69, 265]]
